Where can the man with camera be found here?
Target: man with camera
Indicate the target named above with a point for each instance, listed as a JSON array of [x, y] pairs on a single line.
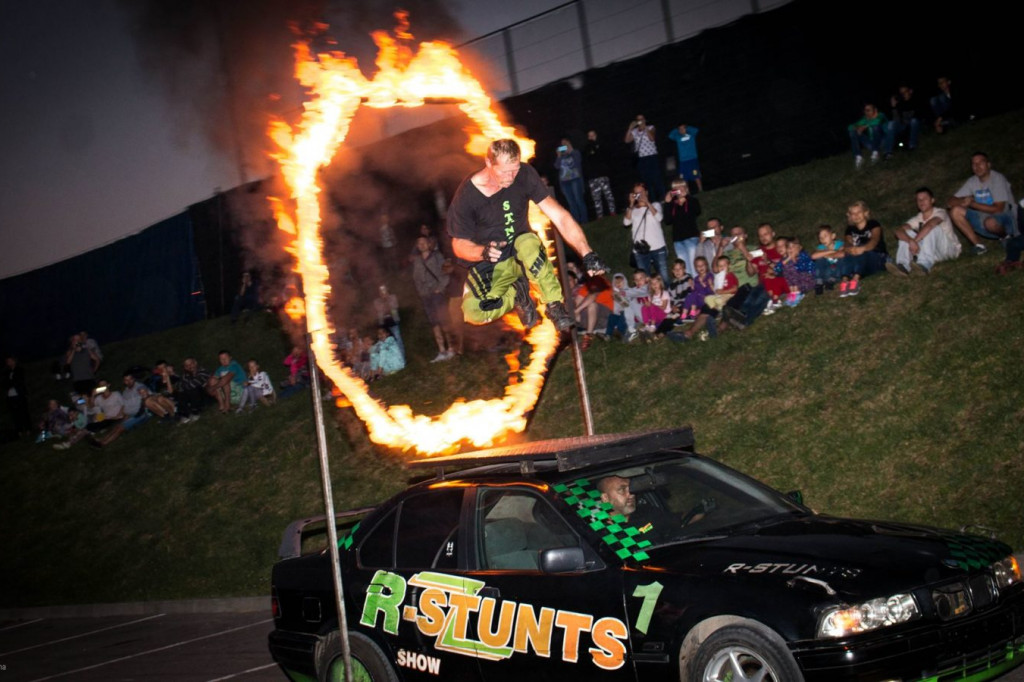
[[648, 163], [83, 363], [646, 234], [491, 235]]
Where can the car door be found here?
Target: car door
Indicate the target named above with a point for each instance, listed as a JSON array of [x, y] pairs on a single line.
[[547, 626]]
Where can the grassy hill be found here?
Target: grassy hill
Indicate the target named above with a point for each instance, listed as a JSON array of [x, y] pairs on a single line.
[[906, 402]]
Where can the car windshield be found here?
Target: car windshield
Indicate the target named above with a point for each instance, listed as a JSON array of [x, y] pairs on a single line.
[[674, 501]]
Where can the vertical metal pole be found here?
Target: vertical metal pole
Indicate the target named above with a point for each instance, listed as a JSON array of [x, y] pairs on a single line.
[[577, 352], [581, 18], [510, 61], [325, 480]]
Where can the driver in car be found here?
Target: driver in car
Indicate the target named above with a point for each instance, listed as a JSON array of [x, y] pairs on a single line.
[[647, 519]]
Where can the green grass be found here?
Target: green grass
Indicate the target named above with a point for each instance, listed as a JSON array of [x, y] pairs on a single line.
[[906, 403]]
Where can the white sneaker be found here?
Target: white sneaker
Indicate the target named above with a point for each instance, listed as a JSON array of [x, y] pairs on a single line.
[[449, 354], [858, 161], [874, 157], [440, 357]]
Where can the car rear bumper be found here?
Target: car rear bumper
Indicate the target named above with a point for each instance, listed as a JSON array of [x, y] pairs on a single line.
[[295, 652]]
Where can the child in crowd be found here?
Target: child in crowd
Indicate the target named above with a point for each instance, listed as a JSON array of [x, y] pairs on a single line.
[[829, 265], [55, 422], [258, 388], [386, 355], [656, 313], [617, 320], [724, 284], [703, 285], [798, 270], [77, 421], [680, 287]]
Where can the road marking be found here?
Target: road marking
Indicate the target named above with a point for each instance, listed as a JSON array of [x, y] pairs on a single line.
[[244, 672], [18, 625], [153, 651], [84, 634]]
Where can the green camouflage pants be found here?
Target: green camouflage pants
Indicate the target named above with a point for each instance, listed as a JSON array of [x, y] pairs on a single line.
[[489, 293]]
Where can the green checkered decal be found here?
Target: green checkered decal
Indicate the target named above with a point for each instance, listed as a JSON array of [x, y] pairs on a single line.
[[345, 542], [613, 528], [974, 552]]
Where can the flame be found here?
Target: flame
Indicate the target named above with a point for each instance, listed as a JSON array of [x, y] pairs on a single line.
[[336, 90]]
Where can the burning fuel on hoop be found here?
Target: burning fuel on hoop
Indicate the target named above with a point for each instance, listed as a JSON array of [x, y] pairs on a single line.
[[336, 90]]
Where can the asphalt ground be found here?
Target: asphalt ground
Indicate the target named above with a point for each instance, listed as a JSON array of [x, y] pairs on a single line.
[[201, 641]]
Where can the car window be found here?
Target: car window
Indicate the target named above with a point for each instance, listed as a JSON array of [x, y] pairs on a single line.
[[515, 526], [377, 550], [427, 529]]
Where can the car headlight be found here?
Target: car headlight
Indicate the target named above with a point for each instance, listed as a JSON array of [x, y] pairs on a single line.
[[1006, 572], [870, 615]]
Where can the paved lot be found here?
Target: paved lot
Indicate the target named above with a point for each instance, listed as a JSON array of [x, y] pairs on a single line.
[[144, 643], [157, 646]]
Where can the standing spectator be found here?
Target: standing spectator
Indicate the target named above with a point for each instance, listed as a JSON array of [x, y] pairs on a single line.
[[647, 238], [247, 298], [829, 261], [685, 138], [431, 282], [227, 382], [190, 390], [907, 112], [388, 243], [681, 212], [648, 164], [925, 239], [569, 163], [453, 294], [864, 247], [386, 307], [83, 362], [297, 362], [92, 346], [942, 105], [596, 170], [868, 133], [984, 205], [17, 395]]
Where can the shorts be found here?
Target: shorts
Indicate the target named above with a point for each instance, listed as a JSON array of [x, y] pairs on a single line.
[[977, 221], [689, 169], [131, 422], [436, 308], [236, 392]]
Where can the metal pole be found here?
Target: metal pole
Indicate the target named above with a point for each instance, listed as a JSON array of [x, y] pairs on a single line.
[[325, 480], [577, 352]]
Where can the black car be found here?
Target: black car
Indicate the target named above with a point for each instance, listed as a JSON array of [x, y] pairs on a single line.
[[520, 567]]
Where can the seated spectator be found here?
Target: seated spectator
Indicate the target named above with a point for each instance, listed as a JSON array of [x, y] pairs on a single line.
[[868, 134], [656, 311], [190, 390], [639, 295], [680, 287], [925, 239], [984, 205], [708, 243], [1014, 247], [258, 388], [105, 408], [765, 262], [829, 263], [942, 105], [386, 357], [55, 422], [907, 112], [77, 422], [703, 286], [133, 395], [297, 362], [227, 382], [724, 284], [386, 306], [865, 248], [798, 270], [592, 296], [621, 315]]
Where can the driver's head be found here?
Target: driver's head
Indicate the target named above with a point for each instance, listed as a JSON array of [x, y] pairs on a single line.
[[615, 491]]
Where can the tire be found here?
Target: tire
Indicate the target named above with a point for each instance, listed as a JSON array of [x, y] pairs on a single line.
[[744, 652], [369, 664]]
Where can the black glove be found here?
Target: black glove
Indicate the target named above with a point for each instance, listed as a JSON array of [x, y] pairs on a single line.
[[593, 264]]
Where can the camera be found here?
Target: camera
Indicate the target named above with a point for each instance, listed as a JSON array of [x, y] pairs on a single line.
[[642, 247], [708, 234]]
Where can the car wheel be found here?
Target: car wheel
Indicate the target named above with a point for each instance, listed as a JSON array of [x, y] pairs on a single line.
[[369, 664], [743, 652]]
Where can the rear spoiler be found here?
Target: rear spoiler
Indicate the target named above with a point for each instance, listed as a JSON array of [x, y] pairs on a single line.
[[291, 539]]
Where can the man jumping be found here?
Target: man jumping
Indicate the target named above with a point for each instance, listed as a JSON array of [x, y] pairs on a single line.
[[491, 236]]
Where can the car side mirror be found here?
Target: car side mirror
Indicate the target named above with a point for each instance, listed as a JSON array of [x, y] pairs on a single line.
[[796, 496], [562, 560]]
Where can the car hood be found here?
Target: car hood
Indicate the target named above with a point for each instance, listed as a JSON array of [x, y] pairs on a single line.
[[851, 557]]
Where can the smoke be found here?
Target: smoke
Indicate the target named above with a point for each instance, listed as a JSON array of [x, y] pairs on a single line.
[[227, 68]]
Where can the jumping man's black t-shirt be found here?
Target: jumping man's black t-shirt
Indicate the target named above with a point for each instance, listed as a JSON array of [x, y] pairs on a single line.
[[499, 217]]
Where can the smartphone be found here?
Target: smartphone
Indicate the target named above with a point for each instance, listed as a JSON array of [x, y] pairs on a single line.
[[707, 233], [101, 389], [563, 148], [756, 253]]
